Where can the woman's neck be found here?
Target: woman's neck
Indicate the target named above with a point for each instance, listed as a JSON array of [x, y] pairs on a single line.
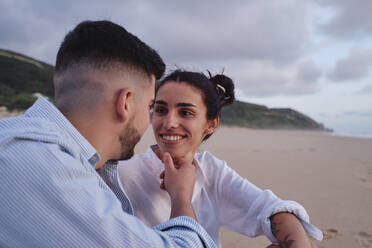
[[188, 157]]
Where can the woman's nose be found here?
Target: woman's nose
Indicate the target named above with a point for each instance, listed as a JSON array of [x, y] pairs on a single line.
[[170, 121]]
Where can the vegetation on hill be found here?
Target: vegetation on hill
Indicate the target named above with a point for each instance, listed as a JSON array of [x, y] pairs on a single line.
[[259, 116], [22, 76]]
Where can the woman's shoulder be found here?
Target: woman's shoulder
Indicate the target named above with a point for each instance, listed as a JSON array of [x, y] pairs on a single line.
[[208, 157], [209, 162]]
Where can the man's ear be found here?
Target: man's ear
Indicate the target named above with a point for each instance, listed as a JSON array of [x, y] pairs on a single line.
[[125, 104], [212, 125]]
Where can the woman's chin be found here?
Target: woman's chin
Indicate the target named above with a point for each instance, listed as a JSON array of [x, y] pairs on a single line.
[[174, 153]]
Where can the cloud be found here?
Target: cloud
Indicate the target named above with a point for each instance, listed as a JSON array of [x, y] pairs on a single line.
[[354, 67], [308, 72], [264, 45], [358, 113], [36, 28], [351, 19], [366, 90], [262, 79], [27, 30], [185, 31], [250, 30]]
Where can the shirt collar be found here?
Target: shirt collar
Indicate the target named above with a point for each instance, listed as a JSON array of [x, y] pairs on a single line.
[[42, 108]]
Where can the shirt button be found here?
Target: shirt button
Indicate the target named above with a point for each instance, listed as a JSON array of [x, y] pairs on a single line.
[[94, 159]]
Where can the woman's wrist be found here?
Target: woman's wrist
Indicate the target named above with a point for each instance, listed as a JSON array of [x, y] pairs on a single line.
[[182, 207]]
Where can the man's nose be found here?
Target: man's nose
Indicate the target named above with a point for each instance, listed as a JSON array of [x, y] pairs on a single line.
[[170, 121]]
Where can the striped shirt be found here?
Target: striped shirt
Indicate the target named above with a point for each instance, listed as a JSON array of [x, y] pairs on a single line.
[[51, 195]]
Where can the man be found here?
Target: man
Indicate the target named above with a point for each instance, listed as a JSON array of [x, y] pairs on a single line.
[[56, 190]]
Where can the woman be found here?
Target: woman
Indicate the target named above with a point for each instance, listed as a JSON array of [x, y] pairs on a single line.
[[186, 112]]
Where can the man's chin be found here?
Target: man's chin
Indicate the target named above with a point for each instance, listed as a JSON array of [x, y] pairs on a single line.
[[128, 140], [127, 156]]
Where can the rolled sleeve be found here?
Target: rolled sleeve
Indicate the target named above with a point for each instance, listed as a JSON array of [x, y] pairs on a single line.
[[290, 207], [190, 230]]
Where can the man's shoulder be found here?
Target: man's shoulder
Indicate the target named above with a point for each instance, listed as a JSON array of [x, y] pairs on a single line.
[[30, 128], [24, 131], [35, 150]]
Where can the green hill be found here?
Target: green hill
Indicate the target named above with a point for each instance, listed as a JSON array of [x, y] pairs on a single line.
[[259, 116], [22, 76]]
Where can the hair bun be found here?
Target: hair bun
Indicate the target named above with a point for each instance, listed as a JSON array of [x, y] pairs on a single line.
[[225, 87]]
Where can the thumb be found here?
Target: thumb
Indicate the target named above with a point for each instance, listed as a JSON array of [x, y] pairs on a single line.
[[168, 162]]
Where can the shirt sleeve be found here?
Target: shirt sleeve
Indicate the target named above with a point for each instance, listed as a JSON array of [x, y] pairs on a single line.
[[246, 209], [50, 200]]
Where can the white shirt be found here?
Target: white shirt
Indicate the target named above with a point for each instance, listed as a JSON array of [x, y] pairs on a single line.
[[221, 197]]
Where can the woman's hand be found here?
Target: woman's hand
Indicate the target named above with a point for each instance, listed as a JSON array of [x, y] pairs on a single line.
[[179, 183]]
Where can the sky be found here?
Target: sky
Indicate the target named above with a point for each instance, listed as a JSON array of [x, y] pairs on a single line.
[[314, 56]]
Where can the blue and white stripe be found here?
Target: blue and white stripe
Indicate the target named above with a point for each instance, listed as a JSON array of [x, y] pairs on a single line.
[[51, 195]]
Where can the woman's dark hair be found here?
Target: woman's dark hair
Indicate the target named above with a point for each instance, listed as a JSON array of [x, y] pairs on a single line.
[[218, 90]]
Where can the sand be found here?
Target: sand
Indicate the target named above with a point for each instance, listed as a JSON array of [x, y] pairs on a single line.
[[330, 176], [5, 113]]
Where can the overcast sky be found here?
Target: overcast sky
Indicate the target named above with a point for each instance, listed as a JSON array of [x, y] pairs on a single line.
[[311, 55]]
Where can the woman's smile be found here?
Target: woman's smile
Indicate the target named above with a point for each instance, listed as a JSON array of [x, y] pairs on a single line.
[[172, 139]]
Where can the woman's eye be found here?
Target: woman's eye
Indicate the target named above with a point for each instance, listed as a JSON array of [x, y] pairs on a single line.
[[160, 110], [186, 113]]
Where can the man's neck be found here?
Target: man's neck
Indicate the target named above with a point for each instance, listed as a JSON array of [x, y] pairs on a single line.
[[94, 131]]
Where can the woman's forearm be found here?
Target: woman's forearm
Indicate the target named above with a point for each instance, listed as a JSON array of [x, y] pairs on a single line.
[[289, 231]]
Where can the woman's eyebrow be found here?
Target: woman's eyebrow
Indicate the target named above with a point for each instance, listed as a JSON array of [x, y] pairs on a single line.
[[180, 104], [161, 102], [185, 104]]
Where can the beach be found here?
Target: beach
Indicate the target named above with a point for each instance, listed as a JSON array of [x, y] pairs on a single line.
[[330, 176]]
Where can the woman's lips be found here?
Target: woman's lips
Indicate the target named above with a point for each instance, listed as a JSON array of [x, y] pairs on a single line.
[[171, 138]]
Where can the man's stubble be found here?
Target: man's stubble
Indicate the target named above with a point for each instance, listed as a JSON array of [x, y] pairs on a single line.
[[128, 140]]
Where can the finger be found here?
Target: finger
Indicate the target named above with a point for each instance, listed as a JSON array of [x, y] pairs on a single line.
[[162, 185], [162, 174], [168, 162]]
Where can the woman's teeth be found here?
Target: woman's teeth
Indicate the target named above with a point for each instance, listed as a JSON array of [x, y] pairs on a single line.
[[167, 137]]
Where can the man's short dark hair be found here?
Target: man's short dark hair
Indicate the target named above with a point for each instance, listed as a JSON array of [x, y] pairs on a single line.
[[102, 42]]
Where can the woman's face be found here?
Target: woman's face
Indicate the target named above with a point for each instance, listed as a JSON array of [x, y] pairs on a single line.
[[179, 120]]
